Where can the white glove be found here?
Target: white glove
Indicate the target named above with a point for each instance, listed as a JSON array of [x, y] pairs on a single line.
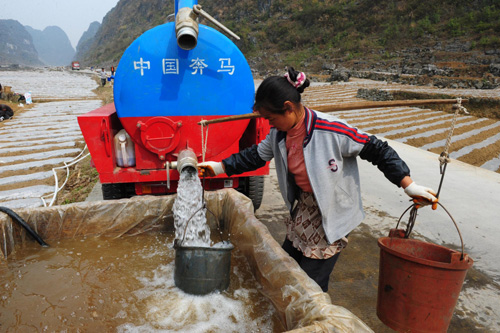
[[421, 195], [211, 168]]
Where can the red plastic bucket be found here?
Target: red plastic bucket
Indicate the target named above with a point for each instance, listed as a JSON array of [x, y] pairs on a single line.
[[419, 283]]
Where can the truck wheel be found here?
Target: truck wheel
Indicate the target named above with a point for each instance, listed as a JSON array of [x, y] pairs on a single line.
[[253, 188], [128, 190], [117, 191], [111, 191]]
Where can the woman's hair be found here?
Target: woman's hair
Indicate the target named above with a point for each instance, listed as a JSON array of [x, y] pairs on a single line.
[[274, 91]]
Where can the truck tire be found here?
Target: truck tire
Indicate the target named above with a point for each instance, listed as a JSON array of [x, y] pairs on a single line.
[[111, 191], [253, 188], [128, 190], [117, 191]]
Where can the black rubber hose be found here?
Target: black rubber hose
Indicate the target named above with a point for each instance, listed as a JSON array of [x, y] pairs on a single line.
[[25, 225]]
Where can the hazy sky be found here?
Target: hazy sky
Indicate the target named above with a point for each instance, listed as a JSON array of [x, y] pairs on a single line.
[[73, 16]]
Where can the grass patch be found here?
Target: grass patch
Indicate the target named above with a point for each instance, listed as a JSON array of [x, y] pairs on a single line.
[[105, 94]]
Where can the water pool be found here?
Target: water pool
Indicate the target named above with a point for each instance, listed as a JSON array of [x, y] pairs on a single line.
[[124, 284]]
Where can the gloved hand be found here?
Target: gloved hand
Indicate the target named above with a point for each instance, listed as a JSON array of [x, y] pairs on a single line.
[[211, 168], [421, 195]]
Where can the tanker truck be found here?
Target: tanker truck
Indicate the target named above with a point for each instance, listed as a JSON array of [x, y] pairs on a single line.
[[168, 80]]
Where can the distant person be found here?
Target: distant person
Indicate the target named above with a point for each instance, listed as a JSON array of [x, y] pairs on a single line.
[[112, 70], [103, 76], [6, 112]]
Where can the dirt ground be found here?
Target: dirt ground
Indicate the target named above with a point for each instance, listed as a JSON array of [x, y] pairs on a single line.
[[82, 176], [16, 108]]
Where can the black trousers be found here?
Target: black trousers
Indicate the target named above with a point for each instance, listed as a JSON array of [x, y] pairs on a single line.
[[317, 269]]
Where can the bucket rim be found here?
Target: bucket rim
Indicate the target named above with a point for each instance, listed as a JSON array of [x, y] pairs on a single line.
[[206, 248], [454, 264]]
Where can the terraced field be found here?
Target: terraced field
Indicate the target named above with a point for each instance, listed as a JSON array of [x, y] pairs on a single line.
[[43, 137], [475, 140], [33, 143]]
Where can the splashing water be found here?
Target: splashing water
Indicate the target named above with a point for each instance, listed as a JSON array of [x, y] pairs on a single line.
[[97, 284], [191, 228]]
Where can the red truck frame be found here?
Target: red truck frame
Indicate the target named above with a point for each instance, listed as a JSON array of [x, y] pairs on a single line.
[[101, 125]]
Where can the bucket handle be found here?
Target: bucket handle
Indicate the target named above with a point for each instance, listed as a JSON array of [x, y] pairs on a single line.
[[216, 221], [208, 210], [413, 216]]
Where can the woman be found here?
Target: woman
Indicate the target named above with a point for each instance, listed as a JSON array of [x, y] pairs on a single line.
[[315, 157]]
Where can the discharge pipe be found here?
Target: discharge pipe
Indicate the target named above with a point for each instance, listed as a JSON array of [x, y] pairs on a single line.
[[186, 23], [186, 159]]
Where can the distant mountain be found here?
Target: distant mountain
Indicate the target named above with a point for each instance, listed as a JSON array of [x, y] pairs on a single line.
[[121, 26], [53, 45], [86, 40], [313, 35], [16, 45]]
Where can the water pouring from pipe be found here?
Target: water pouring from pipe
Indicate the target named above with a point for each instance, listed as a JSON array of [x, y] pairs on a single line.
[[200, 268]]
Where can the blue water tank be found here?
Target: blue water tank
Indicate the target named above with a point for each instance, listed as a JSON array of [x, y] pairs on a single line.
[[155, 77]]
